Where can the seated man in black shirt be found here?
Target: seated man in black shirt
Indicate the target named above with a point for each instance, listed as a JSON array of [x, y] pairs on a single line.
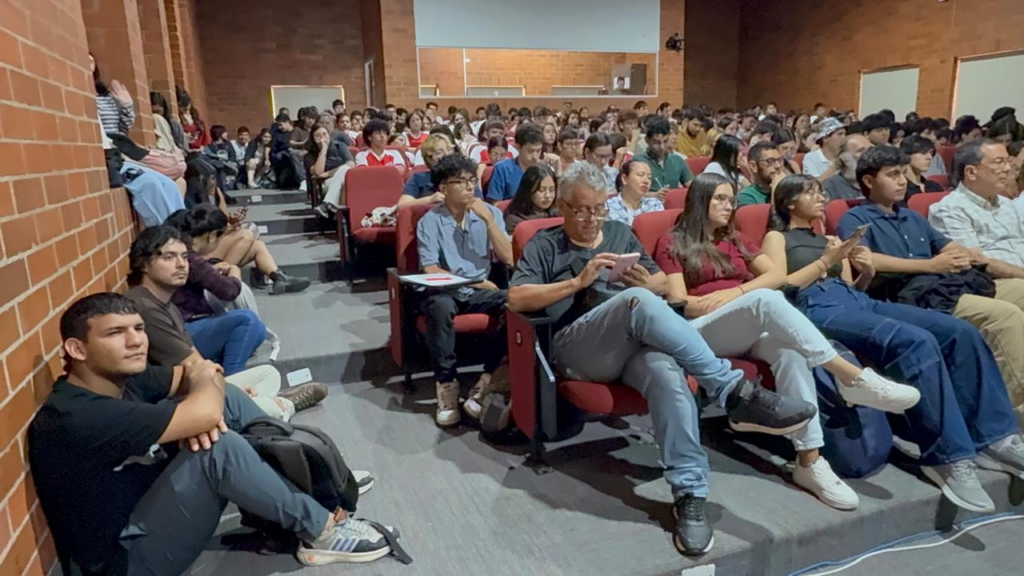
[[134, 464], [624, 330]]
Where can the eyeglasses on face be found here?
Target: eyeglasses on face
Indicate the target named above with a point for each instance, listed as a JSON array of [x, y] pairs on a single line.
[[463, 182], [724, 199], [586, 212]]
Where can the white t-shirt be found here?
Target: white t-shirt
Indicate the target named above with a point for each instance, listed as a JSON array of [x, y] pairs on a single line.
[[815, 163]]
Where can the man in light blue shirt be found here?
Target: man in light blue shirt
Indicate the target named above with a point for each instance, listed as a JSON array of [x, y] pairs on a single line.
[[508, 173], [462, 237]]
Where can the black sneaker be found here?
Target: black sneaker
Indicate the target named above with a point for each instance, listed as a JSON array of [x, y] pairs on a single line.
[[694, 535], [284, 283], [752, 408], [305, 396]]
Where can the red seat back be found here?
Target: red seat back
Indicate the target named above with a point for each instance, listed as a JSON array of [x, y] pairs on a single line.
[[407, 259], [650, 227], [526, 230], [367, 188], [402, 152], [697, 164], [752, 222], [486, 179], [940, 179], [503, 205], [799, 159], [835, 210], [948, 153], [923, 201], [354, 150], [676, 199]]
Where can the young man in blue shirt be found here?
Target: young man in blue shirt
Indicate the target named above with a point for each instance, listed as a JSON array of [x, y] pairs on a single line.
[[462, 237], [904, 243], [508, 173]]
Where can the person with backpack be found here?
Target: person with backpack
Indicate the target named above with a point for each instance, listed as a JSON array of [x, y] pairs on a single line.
[[134, 464]]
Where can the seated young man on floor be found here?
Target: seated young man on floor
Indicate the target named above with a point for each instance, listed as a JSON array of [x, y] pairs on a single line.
[[610, 331], [134, 464], [462, 237], [375, 134], [904, 244], [159, 267]]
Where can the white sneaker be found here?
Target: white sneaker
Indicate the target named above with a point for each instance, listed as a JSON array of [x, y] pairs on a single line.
[[447, 404], [364, 480], [875, 391], [302, 186], [820, 480]]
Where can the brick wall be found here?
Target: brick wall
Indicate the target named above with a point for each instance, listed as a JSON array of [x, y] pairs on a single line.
[[249, 46], [804, 51], [712, 52], [373, 49], [192, 58], [63, 234]]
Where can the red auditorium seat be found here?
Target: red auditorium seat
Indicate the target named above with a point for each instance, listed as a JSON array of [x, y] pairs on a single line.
[[407, 324], [649, 227], [503, 205], [366, 188], [941, 180], [405, 157], [835, 210], [486, 178], [921, 202], [415, 170], [697, 164], [526, 230], [752, 223], [948, 152], [535, 387], [676, 199], [799, 159]]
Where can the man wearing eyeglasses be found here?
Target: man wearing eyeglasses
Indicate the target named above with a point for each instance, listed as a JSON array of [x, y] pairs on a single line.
[[609, 330], [765, 163], [462, 236]]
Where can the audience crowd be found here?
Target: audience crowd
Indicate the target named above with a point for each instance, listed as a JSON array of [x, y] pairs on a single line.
[[158, 381]]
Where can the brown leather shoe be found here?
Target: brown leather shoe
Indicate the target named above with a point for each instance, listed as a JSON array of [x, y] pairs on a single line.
[[305, 396]]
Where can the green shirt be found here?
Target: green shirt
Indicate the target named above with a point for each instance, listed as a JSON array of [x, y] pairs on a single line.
[[753, 194], [672, 173]]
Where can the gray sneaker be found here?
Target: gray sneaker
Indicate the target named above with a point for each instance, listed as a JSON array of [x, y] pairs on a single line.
[[351, 540], [959, 483], [1009, 458]]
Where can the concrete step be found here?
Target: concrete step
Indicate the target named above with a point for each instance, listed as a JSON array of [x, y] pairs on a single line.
[[313, 256], [258, 197], [287, 218]]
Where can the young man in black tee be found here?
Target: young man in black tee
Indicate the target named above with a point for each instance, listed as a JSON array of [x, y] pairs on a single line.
[[134, 464]]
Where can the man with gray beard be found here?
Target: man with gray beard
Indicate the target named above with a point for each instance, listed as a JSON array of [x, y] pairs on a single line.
[[843, 185]]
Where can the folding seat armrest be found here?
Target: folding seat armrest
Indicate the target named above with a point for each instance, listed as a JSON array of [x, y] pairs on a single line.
[[534, 386]]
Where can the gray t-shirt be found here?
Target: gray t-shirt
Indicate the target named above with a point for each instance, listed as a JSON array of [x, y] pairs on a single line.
[[838, 187], [551, 257], [169, 343]]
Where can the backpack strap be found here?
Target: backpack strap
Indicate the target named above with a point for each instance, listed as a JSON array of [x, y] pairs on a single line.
[[396, 549]]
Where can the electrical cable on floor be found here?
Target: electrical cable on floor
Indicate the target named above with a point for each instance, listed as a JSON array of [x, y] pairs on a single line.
[[899, 545]]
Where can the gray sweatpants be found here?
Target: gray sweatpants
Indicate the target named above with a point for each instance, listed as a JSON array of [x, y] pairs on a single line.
[[176, 518]]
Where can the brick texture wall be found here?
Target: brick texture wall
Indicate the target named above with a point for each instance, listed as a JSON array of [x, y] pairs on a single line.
[[803, 51], [192, 78], [249, 46], [373, 50], [712, 52], [63, 234], [537, 70]]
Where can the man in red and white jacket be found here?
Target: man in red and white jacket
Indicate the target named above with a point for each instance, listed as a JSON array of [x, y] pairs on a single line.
[[376, 134]]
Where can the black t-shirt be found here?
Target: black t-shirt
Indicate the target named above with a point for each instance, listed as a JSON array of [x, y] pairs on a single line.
[[551, 257], [93, 457]]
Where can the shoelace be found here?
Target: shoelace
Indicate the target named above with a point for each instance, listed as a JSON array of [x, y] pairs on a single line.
[[693, 510], [448, 396], [883, 387], [963, 472], [303, 400], [821, 469], [765, 397]]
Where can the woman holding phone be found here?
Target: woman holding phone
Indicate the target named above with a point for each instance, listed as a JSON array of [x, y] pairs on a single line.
[[728, 289], [927, 349]]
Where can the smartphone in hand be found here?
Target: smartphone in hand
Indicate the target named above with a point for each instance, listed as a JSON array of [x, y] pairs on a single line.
[[623, 263]]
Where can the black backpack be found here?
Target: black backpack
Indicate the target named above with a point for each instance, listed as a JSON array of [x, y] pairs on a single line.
[[309, 459]]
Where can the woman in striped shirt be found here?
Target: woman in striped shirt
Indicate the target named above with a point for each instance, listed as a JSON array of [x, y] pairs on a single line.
[[113, 105]]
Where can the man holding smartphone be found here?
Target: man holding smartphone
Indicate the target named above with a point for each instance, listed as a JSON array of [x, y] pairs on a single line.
[[621, 329]]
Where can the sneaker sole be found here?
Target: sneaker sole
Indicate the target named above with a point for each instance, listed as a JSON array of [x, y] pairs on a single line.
[[748, 427], [448, 422], [824, 499], [298, 287], [934, 477], [472, 408], [687, 552], [322, 557], [365, 487], [900, 409], [989, 463]]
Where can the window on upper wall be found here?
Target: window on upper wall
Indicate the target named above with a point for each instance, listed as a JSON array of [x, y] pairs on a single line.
[[985, 83]]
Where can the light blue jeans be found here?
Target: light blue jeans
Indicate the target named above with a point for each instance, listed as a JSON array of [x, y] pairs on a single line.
[[637, 337]]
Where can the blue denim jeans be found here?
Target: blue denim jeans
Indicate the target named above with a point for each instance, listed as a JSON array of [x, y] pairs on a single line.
[[964, 405], [228, 339], [173, 523], [636, 337]]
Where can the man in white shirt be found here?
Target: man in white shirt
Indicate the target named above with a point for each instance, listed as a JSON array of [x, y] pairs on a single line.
[[822, 162]]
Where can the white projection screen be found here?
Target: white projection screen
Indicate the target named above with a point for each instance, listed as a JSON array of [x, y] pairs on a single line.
[[989, 82], [295, 97], [895, 89], [593, 26]]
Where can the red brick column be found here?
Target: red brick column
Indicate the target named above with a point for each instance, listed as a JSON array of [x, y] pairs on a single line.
[[156, 48], [186, 58], [115, 39], [63, 234]]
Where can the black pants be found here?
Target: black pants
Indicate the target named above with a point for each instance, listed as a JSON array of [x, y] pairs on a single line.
[[441, 309], [290, 171]]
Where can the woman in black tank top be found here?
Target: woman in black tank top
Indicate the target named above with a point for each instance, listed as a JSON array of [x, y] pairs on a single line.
[[926, 349]]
